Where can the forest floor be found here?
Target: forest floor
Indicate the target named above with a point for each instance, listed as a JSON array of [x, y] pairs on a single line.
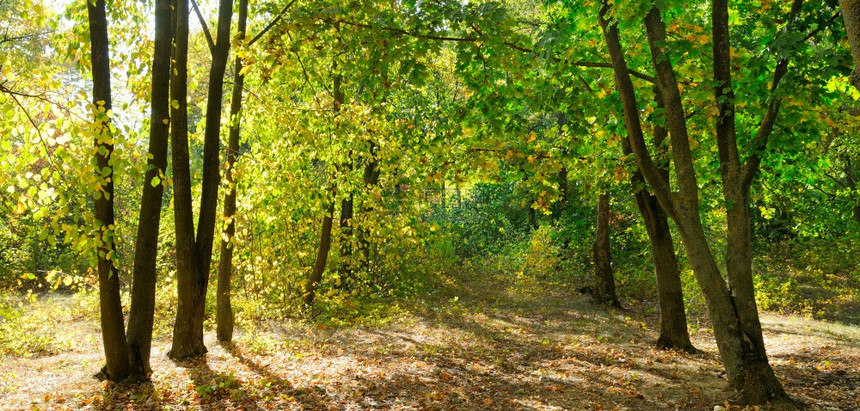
[[479, 342]]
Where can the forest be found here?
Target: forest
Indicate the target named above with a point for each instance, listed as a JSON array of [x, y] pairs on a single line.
[[430, 204]]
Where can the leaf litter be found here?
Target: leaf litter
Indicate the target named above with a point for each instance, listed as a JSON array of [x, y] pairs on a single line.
[[481, 342]]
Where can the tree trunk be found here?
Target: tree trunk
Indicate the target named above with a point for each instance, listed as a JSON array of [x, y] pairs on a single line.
[[188, 328], [604, 291], [144, 275], [322, 256], [224, 311], [734, 315], [113, 332], [851, 15], [562, 203], [345, 268], [184, 342], [371, 179], [673, 318], [851, 181]]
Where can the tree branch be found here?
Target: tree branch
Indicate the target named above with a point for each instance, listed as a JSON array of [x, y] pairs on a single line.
[[271, 23], [508, 44], [753, 162], [205, 27]]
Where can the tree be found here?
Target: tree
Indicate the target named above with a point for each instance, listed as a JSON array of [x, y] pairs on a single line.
[[196, 255], [325, 234], [223, 310], [604, 291], [673, 318], [113, 333], [186, 258], [140, 319], [732, 305]]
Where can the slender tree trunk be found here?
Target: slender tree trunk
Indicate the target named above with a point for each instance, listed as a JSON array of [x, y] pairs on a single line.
[[322, 256], [851, 181], [562, 203], [113, 332], [345, 268], [851, 15], [371, 179], [673, 318], [224, 311], [188, 328], [184, 343], [144, 275], [604, 291]]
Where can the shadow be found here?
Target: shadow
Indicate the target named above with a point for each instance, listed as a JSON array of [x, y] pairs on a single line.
[[487, 348], [312, 398], [215, 390], [128, 395]]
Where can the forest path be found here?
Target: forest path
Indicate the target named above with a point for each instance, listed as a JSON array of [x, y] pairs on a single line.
[[480, 341]]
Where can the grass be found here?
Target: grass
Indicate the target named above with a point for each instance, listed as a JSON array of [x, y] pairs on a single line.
[[482, 339]]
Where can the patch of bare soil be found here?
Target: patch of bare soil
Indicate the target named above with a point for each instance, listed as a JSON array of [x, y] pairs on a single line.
[[482, 342]]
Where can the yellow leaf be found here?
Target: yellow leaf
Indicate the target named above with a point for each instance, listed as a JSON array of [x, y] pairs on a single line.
[[166, 121]]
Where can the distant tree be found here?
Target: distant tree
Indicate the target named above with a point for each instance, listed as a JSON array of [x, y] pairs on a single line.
[[604, 290]]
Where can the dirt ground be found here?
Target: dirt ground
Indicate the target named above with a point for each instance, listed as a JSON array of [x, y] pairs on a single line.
[[480, 343]]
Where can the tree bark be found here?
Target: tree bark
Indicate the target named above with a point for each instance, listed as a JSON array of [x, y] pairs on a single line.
[[851, 181], [673, 318], [224, 311], [184, 342], [345, 268], [851, 15], [322, 255], [113, 332], [371, 179], [192, 284], [604, 291], [140, 319]]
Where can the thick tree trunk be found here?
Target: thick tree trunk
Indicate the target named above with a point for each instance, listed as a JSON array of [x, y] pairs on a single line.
[[322, 256], [113, 332], [224, 311], [188, 328], [185, 343], [851, 15], [144, 275], [604, 290]]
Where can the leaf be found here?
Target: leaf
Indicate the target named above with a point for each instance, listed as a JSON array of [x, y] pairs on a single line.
[[155, 181]]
